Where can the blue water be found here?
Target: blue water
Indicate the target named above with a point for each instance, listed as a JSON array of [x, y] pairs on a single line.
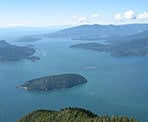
[[115, 85]]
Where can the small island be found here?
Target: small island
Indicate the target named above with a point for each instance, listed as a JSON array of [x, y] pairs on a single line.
[[54, 82], [9, 52], [71, 115]]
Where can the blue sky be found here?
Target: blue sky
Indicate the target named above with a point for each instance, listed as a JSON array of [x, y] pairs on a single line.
[[72, 12]]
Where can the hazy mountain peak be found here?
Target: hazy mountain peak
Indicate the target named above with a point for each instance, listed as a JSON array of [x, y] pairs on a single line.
[[3, 43]]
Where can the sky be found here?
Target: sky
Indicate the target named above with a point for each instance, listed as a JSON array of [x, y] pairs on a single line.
[[72, 12]]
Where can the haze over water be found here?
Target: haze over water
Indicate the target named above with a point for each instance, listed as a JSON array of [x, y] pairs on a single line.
[[115, 85]]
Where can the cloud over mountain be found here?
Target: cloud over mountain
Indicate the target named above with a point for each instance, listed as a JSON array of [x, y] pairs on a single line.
[[143, 15], [118, 16], [81, 19], [130, 15], [86, 19]]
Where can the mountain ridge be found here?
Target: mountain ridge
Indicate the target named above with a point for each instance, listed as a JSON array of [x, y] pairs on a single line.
[[95, 32]]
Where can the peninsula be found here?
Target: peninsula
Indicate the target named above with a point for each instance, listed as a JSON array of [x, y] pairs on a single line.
[[9, 52], [136, 47]]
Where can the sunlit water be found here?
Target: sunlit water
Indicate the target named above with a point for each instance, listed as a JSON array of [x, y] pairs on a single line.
[[115, 85]]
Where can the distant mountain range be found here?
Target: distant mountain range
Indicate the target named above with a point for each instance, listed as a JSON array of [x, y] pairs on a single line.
[[141, 35], [122, 40], [132, 45], [95, 32]]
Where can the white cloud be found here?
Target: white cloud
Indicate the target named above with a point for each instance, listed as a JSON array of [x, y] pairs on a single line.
[[144, 15], [95, 15], [81, 19], [130, 14], [118, 16], [86, 19]]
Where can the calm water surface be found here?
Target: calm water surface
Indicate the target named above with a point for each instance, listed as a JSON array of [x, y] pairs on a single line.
[[115, 85]]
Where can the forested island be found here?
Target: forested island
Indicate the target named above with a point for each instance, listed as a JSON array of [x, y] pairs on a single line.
[[71, 115], [54, 82], [9, 52]]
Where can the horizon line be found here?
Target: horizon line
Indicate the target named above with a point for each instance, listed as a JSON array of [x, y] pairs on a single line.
[[46, 26]]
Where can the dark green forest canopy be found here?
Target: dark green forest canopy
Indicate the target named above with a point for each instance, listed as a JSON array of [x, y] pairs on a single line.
[[71, 115], [54, 82]]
